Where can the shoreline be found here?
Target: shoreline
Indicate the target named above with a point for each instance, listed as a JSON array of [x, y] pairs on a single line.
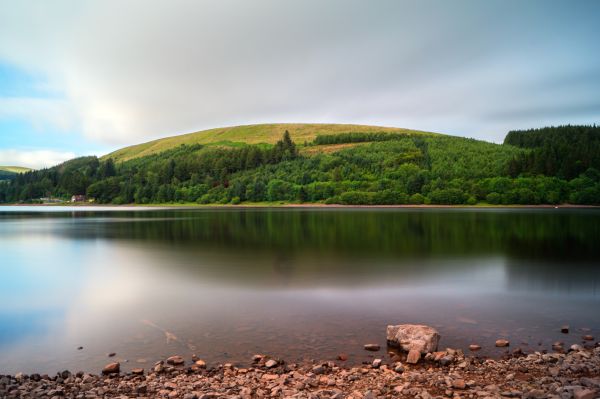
[[449, 373], [266, 205]]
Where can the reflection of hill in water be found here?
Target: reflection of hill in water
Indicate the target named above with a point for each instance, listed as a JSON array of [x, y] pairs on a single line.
[[383, 232], [544, 248]]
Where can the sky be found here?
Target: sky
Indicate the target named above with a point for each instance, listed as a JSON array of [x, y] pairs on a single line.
[[80, 78]]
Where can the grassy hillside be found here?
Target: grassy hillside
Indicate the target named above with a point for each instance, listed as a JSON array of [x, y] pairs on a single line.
[[250, 134], [10, 172], [14, 169]]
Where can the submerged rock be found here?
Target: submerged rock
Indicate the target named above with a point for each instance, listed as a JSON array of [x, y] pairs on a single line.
[[372, 347], [501, 343], [474, 347], [409, 337], [175, 360], [112, 368]]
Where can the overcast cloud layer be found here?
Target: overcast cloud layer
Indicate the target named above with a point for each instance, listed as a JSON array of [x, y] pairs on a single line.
[[121, 72]]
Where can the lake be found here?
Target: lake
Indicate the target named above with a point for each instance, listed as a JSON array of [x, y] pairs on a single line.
[[298, 284]]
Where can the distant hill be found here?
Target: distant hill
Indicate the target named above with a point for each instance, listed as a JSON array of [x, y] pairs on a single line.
[[9, 172], [249, 134], [14, 169]]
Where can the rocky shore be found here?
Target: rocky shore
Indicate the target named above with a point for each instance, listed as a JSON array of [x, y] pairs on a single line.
[[414, 368], [443, 374]]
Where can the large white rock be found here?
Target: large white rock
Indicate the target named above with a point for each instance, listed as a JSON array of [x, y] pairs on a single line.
[[409, 337]]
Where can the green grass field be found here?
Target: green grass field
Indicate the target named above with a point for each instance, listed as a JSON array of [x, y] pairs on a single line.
[[14, 169], [249, 134]]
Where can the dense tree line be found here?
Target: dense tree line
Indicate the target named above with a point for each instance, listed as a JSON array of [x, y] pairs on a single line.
[[359, 137], [407, 169], [563, 151]]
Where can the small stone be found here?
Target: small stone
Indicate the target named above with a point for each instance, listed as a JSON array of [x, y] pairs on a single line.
[[343, 357], [200, 363], [564, 329], [474, 347], [372, 347], [112, 354], [318, 369], [535, 394], [137, 371], [459, 384], [413, 356], [376, 363], [446, 360], [79, 348], [175, 360], [501, 343], [398, 368], [112, 368], [584, 394], [257, 358], [270, 363], [588, 338]]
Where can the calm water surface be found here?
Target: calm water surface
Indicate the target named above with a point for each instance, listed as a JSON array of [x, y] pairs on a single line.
[[295, 283]]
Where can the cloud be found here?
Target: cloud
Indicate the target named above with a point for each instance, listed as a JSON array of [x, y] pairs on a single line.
[[35, 159], [131, 71]]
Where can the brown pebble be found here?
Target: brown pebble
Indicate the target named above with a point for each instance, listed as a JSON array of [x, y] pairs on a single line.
[[564, 329], [588, 338], [474, 347], [343, 357], [501, 343], [413, 356], [175, 360], [111, 368], [459, 384]]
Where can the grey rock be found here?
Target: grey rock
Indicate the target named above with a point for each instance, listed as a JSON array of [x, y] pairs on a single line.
[[408, 337]]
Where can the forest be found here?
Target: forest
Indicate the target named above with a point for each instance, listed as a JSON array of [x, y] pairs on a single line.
[[553, 165]]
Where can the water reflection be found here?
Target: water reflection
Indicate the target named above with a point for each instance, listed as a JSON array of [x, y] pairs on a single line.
[[294, 283]]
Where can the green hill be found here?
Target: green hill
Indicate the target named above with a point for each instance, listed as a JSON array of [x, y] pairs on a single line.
[[331, 164], [14, 169], [249, 134], [10, 172]]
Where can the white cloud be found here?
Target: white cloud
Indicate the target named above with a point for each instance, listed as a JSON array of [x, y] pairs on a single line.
[[35, 159], [134, 70]]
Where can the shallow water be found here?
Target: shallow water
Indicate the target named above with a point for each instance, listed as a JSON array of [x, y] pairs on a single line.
[[294, 283]]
